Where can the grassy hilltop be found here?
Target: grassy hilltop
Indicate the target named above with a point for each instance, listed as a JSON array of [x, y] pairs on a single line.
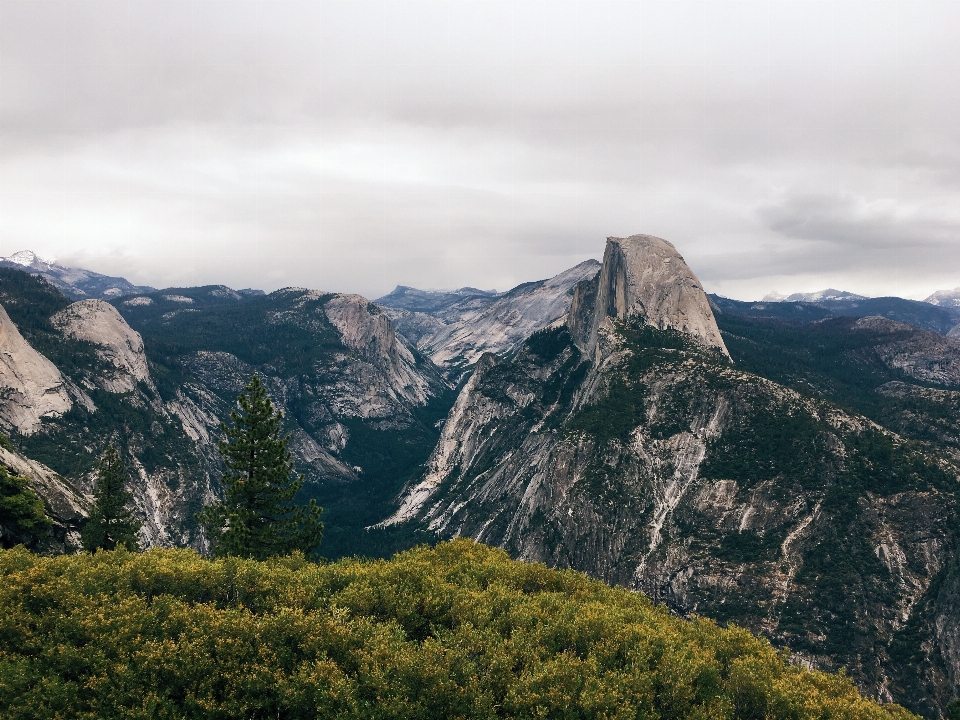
[[455, 631]]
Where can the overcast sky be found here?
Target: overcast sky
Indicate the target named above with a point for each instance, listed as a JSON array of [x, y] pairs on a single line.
[[353, 146]]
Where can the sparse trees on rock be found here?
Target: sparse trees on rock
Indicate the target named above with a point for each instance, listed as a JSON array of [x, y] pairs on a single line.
[[257, 518], [111, 523]]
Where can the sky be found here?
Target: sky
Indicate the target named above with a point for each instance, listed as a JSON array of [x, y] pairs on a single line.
[[354, 146]]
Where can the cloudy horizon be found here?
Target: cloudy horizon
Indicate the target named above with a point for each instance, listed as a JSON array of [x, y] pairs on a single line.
[[354, 146]]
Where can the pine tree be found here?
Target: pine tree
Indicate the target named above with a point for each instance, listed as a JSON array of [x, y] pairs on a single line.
[[22, 517], [257, 519], [111, 523]]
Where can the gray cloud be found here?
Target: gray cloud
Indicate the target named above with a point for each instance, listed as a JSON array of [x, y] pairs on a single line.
[[356, 145]]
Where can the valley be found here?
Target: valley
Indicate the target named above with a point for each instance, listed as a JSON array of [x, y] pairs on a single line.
[[792, 467]]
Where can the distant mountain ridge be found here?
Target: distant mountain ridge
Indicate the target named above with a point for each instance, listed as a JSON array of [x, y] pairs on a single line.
[[75, 283], [828, 294], [405, 297], [941, 319], [454, 329]]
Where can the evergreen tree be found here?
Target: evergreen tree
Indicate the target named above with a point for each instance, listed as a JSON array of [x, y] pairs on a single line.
[[22, 517], [111, 523], [256, 519]]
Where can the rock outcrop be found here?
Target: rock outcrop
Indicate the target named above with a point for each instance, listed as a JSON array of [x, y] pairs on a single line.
[[643, 276], [369, 333], [117, 343], [921, 354], [31, 387]]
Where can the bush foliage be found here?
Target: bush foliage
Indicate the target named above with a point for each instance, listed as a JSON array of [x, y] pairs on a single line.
[[456, 631]]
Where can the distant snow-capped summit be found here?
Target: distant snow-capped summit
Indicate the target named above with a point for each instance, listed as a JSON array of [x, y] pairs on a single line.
[[29, 259], [947, 298], [75, 283], [821, 295]]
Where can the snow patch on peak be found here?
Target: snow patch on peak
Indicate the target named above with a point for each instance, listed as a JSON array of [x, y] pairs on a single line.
[[28, 258], [945, 298], [819, 296]]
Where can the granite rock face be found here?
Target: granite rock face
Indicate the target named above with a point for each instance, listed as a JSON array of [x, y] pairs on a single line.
[[31, 387], [919, 354], [366, 331], [117, 343], [455, 329], [643, 276]]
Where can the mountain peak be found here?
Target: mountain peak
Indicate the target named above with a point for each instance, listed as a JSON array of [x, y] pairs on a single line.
[[946, 298], [28, 258], [645, 276], [75, 283]]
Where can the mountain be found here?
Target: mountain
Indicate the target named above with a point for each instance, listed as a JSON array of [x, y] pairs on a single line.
[[455, 329], [433, 301], [625, 444], [828, 294], [945, 298], [361, 406], [75, 283], [156, 374], [913, 312]]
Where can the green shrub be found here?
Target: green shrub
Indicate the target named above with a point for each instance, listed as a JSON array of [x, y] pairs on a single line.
[[456, 631]]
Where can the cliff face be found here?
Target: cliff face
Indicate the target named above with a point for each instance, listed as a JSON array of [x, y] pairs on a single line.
[[98, 322], [643, 276], [455, 330], [65, 505], [31, 387], [626, 445]]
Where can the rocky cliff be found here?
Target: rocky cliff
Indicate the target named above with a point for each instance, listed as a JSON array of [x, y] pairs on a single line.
[[642, 276], [625, 444], [98, 322], [456, 329], [31, 387], [64, 504]]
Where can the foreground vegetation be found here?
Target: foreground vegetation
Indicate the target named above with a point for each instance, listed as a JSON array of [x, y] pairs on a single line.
[[455, 631]]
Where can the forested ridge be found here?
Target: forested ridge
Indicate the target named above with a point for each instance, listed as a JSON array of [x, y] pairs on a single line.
[[454, 631]]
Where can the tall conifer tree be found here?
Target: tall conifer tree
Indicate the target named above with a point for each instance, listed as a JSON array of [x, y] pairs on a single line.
[[111, 523], [257, 518]]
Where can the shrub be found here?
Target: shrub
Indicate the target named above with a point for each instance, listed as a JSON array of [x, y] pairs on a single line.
[[455, 631]]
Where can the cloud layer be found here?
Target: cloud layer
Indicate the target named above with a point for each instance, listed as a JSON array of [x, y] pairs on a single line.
[[356, 145]]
